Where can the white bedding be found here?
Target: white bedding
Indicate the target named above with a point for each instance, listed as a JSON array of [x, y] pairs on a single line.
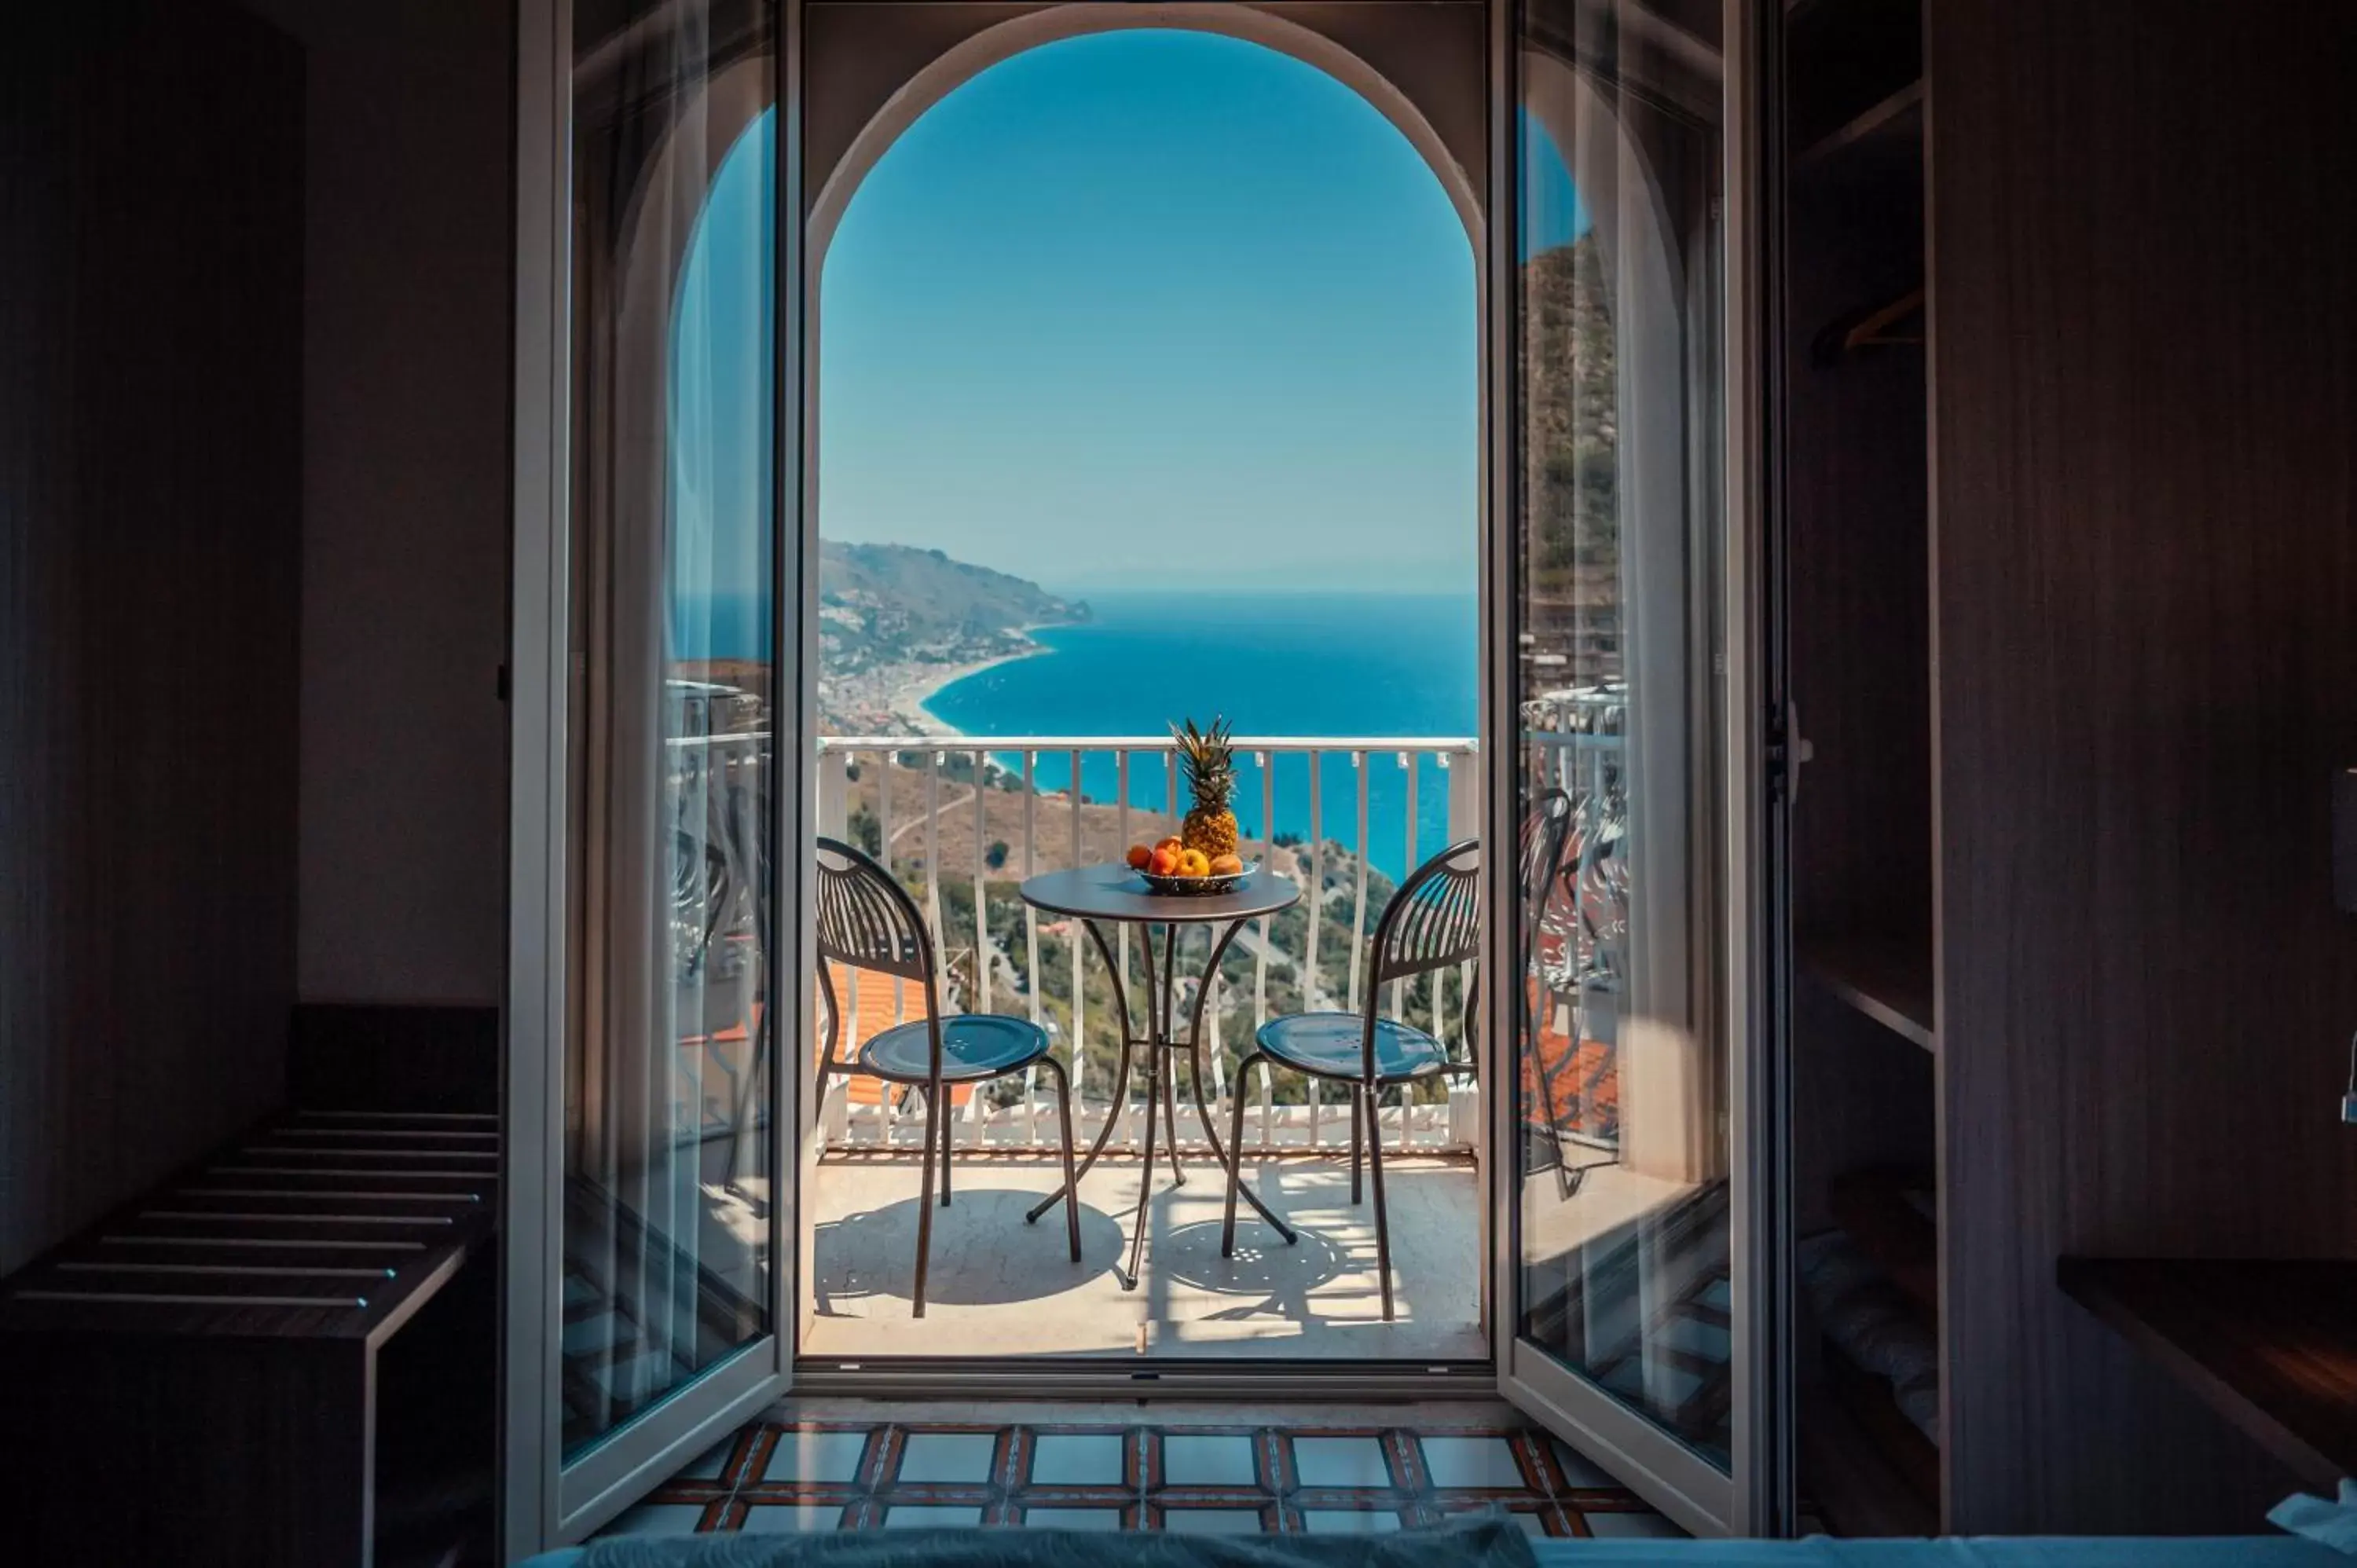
[[1993, 1551]]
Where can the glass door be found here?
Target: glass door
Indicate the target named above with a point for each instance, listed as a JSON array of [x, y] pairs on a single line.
[[1624, 1170], [658, 712]]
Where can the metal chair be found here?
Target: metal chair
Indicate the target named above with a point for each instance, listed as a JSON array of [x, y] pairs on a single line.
[[1545, 826], [1433, 921], [866, 920], [1586, 912]]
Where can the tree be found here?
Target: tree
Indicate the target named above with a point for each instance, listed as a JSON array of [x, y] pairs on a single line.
[[865, 831]]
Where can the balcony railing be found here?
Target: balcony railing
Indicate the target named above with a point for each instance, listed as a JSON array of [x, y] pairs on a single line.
[[962, 821]]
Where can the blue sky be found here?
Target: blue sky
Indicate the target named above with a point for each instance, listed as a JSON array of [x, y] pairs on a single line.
[[1149, 308]]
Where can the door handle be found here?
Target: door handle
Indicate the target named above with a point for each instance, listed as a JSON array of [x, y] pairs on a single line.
[[1798, 749]]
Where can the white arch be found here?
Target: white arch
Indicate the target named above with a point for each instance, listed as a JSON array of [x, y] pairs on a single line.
[[969, 58]]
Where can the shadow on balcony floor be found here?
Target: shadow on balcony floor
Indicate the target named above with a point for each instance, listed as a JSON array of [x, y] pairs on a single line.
[[1000, 1287]]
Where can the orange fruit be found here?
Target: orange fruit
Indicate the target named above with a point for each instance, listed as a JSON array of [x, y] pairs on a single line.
[[1164, 863], [1228, 865], [1138, 857], [1173, 844]]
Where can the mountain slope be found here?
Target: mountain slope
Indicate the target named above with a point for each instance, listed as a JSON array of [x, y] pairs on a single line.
[[891, 603]]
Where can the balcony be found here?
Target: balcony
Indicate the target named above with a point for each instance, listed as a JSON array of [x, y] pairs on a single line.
[[961, 822]]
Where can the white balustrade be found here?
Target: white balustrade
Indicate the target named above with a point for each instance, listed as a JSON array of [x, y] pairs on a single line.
[[869, 784], [911, 794]]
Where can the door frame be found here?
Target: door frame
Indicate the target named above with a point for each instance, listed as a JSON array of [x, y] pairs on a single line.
[[1752, 1498], [543, 1501]]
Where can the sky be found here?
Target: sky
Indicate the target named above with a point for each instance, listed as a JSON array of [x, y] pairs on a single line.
[[1146, 309]]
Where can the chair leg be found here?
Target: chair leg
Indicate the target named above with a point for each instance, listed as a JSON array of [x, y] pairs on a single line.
[[1236, 1150], [1357, 1101], [925, 1211], [1071, 1180], [1383, 1218], [741, 1114]]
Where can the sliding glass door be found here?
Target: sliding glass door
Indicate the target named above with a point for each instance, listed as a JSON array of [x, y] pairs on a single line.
[[658, 683], [1622, 1182]]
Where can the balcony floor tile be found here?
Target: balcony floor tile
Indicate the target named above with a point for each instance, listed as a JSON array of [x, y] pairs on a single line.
[[996, 1285]]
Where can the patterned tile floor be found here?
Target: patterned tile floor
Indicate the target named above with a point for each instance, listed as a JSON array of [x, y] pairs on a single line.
[[1347, 1471]]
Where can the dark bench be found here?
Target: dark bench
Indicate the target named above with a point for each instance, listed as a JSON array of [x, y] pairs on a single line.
[[283, 1355]]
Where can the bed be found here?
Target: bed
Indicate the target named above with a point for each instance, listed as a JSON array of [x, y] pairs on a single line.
[[1499, 1548], [1993, 1551]]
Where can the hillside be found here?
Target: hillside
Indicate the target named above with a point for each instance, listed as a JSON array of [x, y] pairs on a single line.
[[942, 822], [1571, 459], [896, 622], [891, 602]]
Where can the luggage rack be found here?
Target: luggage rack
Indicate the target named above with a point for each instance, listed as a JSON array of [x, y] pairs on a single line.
[[238, 1335]]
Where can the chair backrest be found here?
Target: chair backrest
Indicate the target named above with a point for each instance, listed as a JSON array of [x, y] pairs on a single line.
[[1434, 920], [1544, 827], [867, 921], [701, 891]]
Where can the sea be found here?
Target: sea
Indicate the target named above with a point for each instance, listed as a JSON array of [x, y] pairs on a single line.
[[1332, 665]]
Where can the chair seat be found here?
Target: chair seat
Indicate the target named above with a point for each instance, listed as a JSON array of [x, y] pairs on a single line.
[[973, 1046], [1332, 1045]]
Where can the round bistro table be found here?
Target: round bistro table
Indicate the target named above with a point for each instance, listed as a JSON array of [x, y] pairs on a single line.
[[1102, 896]]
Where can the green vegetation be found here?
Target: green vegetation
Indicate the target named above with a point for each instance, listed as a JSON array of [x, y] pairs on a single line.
[[1571, 457]]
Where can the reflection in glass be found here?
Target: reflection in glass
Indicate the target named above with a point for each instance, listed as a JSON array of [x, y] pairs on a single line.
[[667, 1156], [1622, 1155]]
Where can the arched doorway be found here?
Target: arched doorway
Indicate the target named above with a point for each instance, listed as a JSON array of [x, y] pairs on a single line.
[[1100, 293]]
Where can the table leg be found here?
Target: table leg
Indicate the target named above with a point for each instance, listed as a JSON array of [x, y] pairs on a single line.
[[1144, 1181], [1120, 1076], [1202, 1106], [1161, 993], [1170, 1118]]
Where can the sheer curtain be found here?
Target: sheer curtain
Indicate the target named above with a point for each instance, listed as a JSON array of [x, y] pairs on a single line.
[[666, 1237]]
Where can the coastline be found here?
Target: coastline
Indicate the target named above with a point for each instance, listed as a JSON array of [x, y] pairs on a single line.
[[913, 693]]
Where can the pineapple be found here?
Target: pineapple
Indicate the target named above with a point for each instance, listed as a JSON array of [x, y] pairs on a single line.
[[1211, 761]]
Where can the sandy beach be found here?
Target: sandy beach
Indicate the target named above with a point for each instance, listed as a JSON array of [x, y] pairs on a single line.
[[916, 684], [890, 698]]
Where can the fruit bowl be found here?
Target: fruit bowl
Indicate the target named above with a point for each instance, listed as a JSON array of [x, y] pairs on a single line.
[[1197, 887]]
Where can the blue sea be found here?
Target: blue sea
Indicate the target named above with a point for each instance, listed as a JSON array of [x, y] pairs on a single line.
[[1332, 665]]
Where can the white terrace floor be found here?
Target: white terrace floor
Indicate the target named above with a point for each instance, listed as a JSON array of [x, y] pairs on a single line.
[[1000, 1287]]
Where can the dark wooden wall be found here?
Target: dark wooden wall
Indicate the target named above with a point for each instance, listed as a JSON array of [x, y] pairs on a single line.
[[2144, 258], [407, 333], [1854, 471], [151, 321]]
